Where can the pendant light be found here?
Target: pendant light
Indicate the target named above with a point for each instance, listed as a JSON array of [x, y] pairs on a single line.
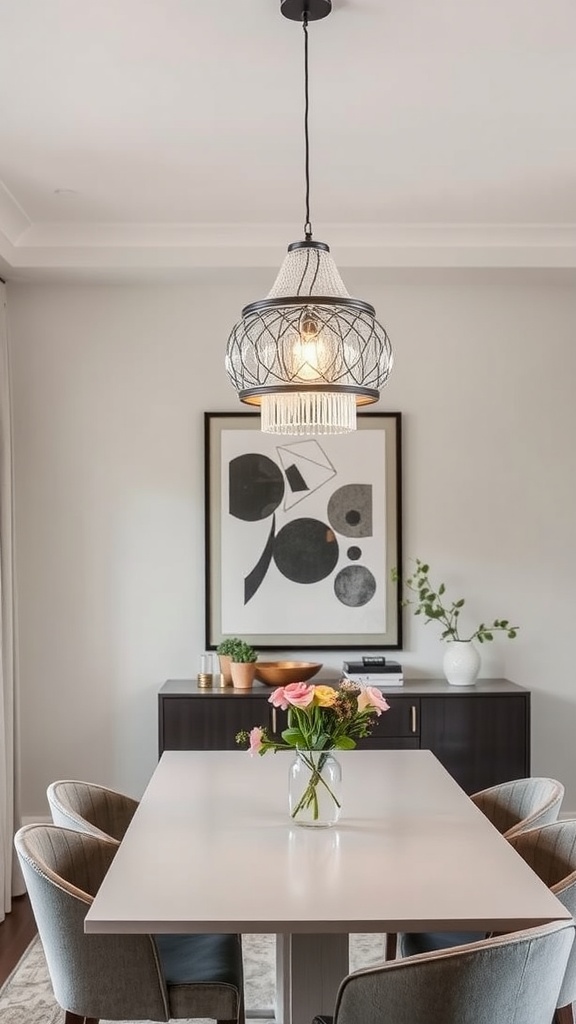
[[308, 354]]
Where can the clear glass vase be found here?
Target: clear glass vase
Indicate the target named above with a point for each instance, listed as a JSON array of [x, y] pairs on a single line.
[[314, 788]]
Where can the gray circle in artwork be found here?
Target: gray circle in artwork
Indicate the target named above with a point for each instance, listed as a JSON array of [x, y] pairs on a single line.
[[350, 510], [305, 551], [354, 553], [355, 586]]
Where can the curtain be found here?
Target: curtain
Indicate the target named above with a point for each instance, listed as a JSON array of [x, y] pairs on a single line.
[[10, 881]]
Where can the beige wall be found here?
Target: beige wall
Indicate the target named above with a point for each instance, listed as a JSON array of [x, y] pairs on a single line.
[[110, 385]]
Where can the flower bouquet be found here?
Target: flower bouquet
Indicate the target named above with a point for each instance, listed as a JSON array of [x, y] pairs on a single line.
[[320, 719]]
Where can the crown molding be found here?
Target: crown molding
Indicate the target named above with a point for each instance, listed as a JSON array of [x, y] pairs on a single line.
[[64, 246], [13, 220]]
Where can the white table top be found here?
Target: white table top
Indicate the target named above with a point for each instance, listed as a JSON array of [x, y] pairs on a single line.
[[212, 848]]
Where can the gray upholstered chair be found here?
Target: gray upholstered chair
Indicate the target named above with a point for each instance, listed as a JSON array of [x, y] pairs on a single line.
[[512, 807], [119, 977], [551, 853], [515, 977], [87, 807]]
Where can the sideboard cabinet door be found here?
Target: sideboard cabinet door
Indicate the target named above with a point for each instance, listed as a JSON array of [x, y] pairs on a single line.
[[201, 723], [482, 740]]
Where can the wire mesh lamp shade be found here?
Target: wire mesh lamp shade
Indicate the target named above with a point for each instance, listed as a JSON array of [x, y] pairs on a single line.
[[308, 354]]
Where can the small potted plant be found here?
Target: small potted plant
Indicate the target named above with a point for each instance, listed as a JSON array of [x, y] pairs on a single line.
[[461, 661], [224, 651], [243, 665]]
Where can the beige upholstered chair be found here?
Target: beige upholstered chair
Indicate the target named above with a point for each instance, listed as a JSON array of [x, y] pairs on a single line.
[[119, 977], [551, 853], [512, 978], [512, 807], [87, 807]]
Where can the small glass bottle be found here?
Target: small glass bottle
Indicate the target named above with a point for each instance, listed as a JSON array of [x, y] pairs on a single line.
[[205, 673]]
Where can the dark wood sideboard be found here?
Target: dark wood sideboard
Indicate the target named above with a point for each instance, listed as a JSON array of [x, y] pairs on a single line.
[[481, 734]]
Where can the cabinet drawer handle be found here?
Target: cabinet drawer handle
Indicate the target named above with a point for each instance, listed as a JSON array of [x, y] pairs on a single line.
[[413, 722], [274, 721]]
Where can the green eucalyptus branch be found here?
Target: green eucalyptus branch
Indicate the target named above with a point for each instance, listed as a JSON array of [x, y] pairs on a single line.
[[430, 601]]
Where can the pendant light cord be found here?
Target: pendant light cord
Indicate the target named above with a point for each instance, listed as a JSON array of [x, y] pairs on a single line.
[[307, 225]]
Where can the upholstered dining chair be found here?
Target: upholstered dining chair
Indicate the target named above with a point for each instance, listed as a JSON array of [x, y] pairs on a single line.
[[511, 978], [551, 853], [512, 807], [516, 806], [119, 977], [88, 807]]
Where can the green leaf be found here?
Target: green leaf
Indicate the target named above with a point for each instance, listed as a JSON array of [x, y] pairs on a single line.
[[294, 737], [344, 743], [460, 603]]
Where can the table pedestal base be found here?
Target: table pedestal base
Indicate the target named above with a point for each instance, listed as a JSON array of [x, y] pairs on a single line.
[[309, 969]]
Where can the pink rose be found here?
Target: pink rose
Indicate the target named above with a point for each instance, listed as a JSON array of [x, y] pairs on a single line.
[[278, 699], [255, 738], [299, 695], [370, 697]]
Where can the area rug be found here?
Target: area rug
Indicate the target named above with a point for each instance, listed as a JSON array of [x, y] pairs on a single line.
[[26, 997]]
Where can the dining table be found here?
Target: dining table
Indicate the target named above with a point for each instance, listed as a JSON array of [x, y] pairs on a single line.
[[212, 848]]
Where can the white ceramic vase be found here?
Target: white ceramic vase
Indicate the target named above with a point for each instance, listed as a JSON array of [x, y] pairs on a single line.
[[461, 663]]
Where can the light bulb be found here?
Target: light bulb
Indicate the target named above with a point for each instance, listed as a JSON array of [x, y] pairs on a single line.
[[307, 349], [309, 327]]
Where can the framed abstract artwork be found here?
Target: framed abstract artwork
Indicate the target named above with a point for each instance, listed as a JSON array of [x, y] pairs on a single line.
[[302, 534]]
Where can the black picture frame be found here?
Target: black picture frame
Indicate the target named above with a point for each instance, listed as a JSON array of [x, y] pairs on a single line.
[[257, 544]]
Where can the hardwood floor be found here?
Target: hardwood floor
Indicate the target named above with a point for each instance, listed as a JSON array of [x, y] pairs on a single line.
[[16, 933]]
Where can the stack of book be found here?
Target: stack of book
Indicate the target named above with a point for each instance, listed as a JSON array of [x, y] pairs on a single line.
[[374, 671]]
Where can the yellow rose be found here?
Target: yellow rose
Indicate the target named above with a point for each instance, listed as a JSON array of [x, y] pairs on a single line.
[[324, 696]]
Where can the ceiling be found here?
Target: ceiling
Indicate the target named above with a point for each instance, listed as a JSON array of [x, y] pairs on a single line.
[[167, 135]]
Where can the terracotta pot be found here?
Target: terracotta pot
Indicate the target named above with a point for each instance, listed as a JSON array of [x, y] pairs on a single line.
[[224, 661], [242, 674]]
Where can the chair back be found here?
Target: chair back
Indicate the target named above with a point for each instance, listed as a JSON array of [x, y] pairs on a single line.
[[511, 978], [514, 807], [88, 807], [551, 853], [108, 977]]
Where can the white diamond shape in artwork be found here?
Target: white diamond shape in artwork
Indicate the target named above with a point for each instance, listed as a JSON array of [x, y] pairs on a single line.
[[306, 468]]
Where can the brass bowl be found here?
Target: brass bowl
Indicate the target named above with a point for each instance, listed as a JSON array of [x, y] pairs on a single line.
[[280, 673]]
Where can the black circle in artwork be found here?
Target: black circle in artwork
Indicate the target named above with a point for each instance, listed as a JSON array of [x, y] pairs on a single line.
[[306, 550], [352, 517], [354, 553], [256, 487], [355, 586]]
